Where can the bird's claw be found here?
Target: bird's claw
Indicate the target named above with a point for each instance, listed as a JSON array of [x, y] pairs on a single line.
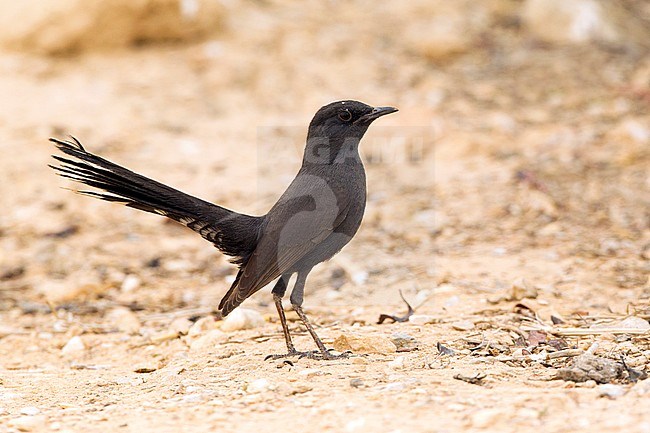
[[329, 356], [315, 354], [289, 354]]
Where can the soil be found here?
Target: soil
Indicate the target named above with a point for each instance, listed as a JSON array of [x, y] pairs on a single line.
[[508, 202]]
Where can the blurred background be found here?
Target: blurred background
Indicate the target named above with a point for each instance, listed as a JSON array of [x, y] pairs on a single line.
[[523, 129], [519, 157], [522, 125]]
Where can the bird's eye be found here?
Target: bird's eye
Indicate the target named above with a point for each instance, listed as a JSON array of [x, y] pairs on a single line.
[[345, 115]]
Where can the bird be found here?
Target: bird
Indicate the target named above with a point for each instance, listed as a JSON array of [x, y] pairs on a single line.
[[318, 214]]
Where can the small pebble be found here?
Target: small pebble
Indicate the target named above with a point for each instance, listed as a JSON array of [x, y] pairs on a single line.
[[242, 318], [181, 325], [421, 319], [30, 410], [130, 283], [74, 346], [177, 265], [309, 372], [356, 383], [357, 360], [397, 363], [300, 389], [201, 326], [452, 301], [521, 289], [611, 391], [395, 386], [463, 325], [495, 298], [159, 337], [634, 322], [359, 277], [258, 386], [193, 398]]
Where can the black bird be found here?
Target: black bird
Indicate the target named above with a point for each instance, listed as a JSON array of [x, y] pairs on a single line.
[[316, 216]]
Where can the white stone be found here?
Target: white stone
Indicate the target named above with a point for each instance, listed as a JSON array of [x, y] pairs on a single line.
[[74, 346], [30, 410], [181, 325], [395, 386], [421, 319], [201, 326], [463, 325], [634, 322], [611, 390], [258, 386], [130, 283], [359, 277], [242, 318], [397, 363]]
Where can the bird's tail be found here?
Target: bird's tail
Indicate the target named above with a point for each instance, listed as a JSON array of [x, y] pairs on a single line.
[[233, 233]]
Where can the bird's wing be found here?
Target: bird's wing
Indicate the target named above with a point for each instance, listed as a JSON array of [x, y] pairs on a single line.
[[304, 217]]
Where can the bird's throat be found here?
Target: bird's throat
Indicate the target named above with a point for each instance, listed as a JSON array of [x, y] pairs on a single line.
[[324, 150]]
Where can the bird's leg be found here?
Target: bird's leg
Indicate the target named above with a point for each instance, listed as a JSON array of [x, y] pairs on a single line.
[[296, 301], [310, 328], [283, 320], [278, 292]]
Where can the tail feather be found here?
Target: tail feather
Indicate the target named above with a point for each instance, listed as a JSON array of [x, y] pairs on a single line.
[[96, 177], [233, 233]]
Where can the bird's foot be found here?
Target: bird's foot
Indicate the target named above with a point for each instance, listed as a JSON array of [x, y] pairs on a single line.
[[289, 354], [314, 354], [328, 355]]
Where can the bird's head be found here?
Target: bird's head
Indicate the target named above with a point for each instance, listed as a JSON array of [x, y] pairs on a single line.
[[339, 126]]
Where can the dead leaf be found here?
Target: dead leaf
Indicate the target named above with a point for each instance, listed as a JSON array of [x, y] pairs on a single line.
[[394, 318], [443, 350], [535, 338]]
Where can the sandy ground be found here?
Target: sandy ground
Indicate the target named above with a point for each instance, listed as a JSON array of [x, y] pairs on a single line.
[[508, 200]]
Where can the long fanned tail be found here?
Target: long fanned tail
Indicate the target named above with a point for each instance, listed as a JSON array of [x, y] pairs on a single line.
[[232, 233]]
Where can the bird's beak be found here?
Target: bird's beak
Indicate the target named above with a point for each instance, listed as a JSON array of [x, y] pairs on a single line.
[[375, 113]]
